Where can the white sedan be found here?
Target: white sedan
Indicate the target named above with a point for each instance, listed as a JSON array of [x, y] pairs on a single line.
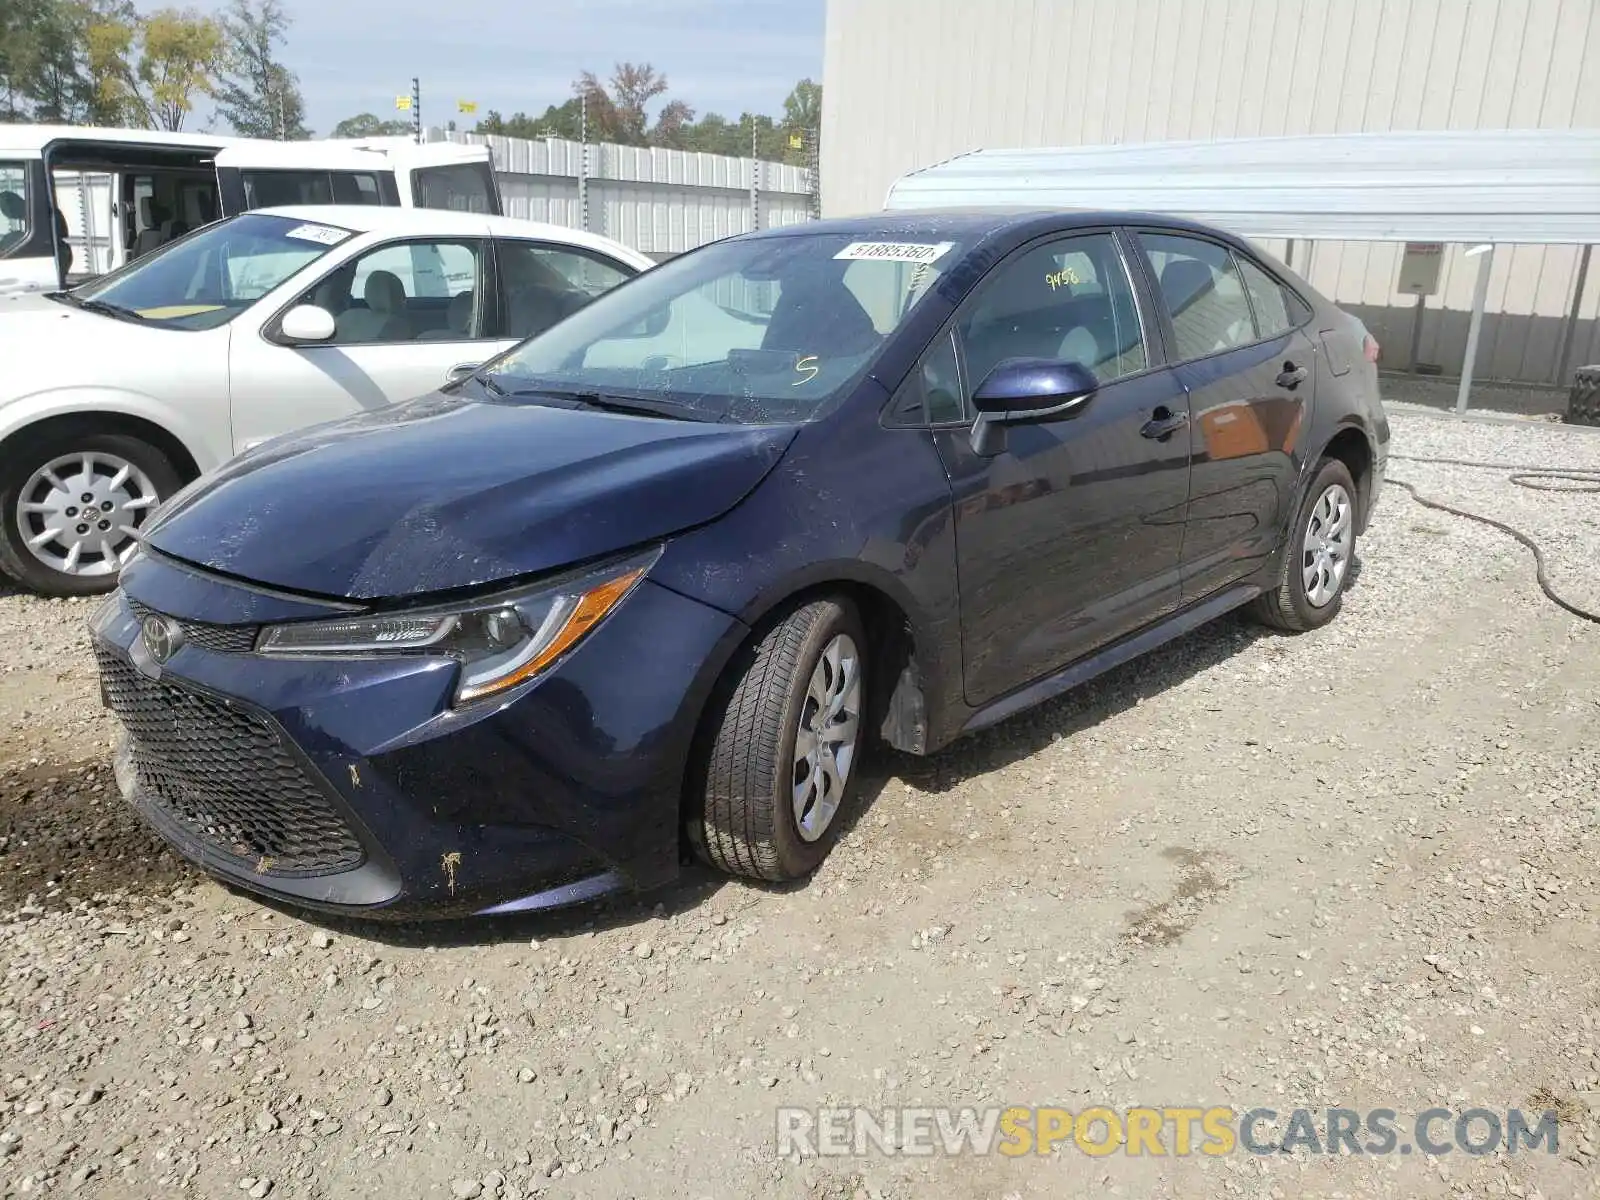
[[115, 394]]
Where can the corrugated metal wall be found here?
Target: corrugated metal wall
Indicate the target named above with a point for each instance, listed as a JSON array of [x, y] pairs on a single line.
[[910, 82], [661, 202]]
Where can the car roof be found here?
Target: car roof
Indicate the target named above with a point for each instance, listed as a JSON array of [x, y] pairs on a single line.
[[35, 138], [976, 223], [392, 221]]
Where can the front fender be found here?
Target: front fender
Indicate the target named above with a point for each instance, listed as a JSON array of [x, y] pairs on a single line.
[[208, 447]]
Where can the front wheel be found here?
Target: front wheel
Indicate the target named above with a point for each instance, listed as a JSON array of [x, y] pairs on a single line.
[[70, 504], [1320, 553], [784, 747]]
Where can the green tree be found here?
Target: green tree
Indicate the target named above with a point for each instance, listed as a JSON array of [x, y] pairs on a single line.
[[148, 71], [365, 125], [42, 74], [802, 118], [257, 94]]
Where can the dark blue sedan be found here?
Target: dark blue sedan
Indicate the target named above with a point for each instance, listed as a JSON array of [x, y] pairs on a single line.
[[654, 581]]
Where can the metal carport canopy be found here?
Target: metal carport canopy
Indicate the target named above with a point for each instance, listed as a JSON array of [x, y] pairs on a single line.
[[1539, 187]]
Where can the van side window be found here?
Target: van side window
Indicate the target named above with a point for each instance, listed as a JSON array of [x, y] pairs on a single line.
[[13, 205], [270, 189]]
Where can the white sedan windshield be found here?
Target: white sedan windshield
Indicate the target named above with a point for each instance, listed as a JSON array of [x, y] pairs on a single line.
[[210, 277]]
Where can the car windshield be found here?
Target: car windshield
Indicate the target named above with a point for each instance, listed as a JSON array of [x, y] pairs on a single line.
[[210, 277], [753, 330]]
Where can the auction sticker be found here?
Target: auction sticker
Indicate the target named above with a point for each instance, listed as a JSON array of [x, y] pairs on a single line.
[[910, 252], [325, 235]]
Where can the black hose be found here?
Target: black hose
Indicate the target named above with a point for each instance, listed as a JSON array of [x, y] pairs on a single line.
[[1587, 479]]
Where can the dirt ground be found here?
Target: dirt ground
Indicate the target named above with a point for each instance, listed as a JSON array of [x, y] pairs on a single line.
[[1351, 869]]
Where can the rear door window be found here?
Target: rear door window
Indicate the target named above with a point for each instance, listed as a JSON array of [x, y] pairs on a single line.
[[541, 283], [1268, 298], [1200, 287]]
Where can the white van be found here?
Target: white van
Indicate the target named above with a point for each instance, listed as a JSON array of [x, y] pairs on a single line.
[[77, 202]]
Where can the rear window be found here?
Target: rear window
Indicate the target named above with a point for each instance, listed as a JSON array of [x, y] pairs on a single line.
[[462, 187]]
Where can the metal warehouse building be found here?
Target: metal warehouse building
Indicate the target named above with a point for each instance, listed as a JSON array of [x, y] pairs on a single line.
[[908, 83]]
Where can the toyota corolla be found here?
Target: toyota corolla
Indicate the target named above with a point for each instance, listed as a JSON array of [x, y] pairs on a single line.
[[653, 582]]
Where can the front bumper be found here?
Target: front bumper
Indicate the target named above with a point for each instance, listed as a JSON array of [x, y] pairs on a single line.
[[351, 785]]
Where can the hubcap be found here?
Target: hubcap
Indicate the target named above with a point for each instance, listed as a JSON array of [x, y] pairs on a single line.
[[825, 743], [78, 513], [1326, 556]]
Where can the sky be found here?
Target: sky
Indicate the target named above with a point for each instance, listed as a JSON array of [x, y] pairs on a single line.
[[718, 55]]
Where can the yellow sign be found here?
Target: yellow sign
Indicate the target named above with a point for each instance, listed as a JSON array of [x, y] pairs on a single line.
[[466, 106], [403, 103], [796, 142]]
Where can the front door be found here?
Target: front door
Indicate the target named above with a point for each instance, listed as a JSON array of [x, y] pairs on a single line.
[[1250, 376], [406, 314], [1070, 536]]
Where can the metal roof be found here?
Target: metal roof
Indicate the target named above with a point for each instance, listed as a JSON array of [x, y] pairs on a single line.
[[1505, 186]]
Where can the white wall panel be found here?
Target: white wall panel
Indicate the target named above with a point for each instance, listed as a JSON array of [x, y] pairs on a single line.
[[912, 82]]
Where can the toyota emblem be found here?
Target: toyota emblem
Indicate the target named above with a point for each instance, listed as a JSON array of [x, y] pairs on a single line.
[[162, 637]]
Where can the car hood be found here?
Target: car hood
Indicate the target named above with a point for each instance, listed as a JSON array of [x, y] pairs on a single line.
[[447, 492], [45, 342]]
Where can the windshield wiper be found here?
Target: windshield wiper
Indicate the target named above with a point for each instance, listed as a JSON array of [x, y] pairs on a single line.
[[104, 308], [606, 402]]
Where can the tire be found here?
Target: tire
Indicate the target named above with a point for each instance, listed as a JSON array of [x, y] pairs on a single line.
[[151, 479], [747, 823], [1294, 606]]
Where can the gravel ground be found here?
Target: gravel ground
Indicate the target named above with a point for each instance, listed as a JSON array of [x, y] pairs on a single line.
[[1354, 868]]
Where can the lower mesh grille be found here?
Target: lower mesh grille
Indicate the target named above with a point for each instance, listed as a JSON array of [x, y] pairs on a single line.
[[226, 777]]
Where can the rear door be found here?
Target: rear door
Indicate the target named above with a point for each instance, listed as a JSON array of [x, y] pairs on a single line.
[[1070, 536], [1249, 374]]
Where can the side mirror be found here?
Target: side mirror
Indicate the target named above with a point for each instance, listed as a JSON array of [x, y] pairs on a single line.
[[307, 323], [1027, 389], [1020, 389]]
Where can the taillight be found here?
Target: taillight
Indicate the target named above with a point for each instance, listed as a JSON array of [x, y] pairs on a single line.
[[1370, 348]]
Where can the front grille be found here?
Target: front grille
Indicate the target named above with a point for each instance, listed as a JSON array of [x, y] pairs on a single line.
[[226, 777], [222, 639]]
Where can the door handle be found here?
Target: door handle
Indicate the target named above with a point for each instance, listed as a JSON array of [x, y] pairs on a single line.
[[1292, 376], [460, 371], [1163, 424]]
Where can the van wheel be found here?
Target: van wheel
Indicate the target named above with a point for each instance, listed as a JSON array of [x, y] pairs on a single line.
[[70, 503], [783, 750], [1317, 560]]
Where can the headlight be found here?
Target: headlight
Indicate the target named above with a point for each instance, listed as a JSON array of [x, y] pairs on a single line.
[[500, 641]]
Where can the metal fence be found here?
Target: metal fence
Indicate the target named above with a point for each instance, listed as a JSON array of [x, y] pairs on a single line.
[[660, 202]]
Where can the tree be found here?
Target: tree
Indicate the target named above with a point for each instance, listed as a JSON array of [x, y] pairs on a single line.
[[365, 125], [257, 94], [148, 70], [42, 75], [802, 117]]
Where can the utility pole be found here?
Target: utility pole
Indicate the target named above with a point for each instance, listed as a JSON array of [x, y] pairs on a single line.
[[814, 147], [583, 159], [755, 178], [283, 120], [416, 109]]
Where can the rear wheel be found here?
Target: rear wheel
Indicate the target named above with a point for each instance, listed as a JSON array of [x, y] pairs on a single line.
[[783, 749], [1320, 554], [70, 504]]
